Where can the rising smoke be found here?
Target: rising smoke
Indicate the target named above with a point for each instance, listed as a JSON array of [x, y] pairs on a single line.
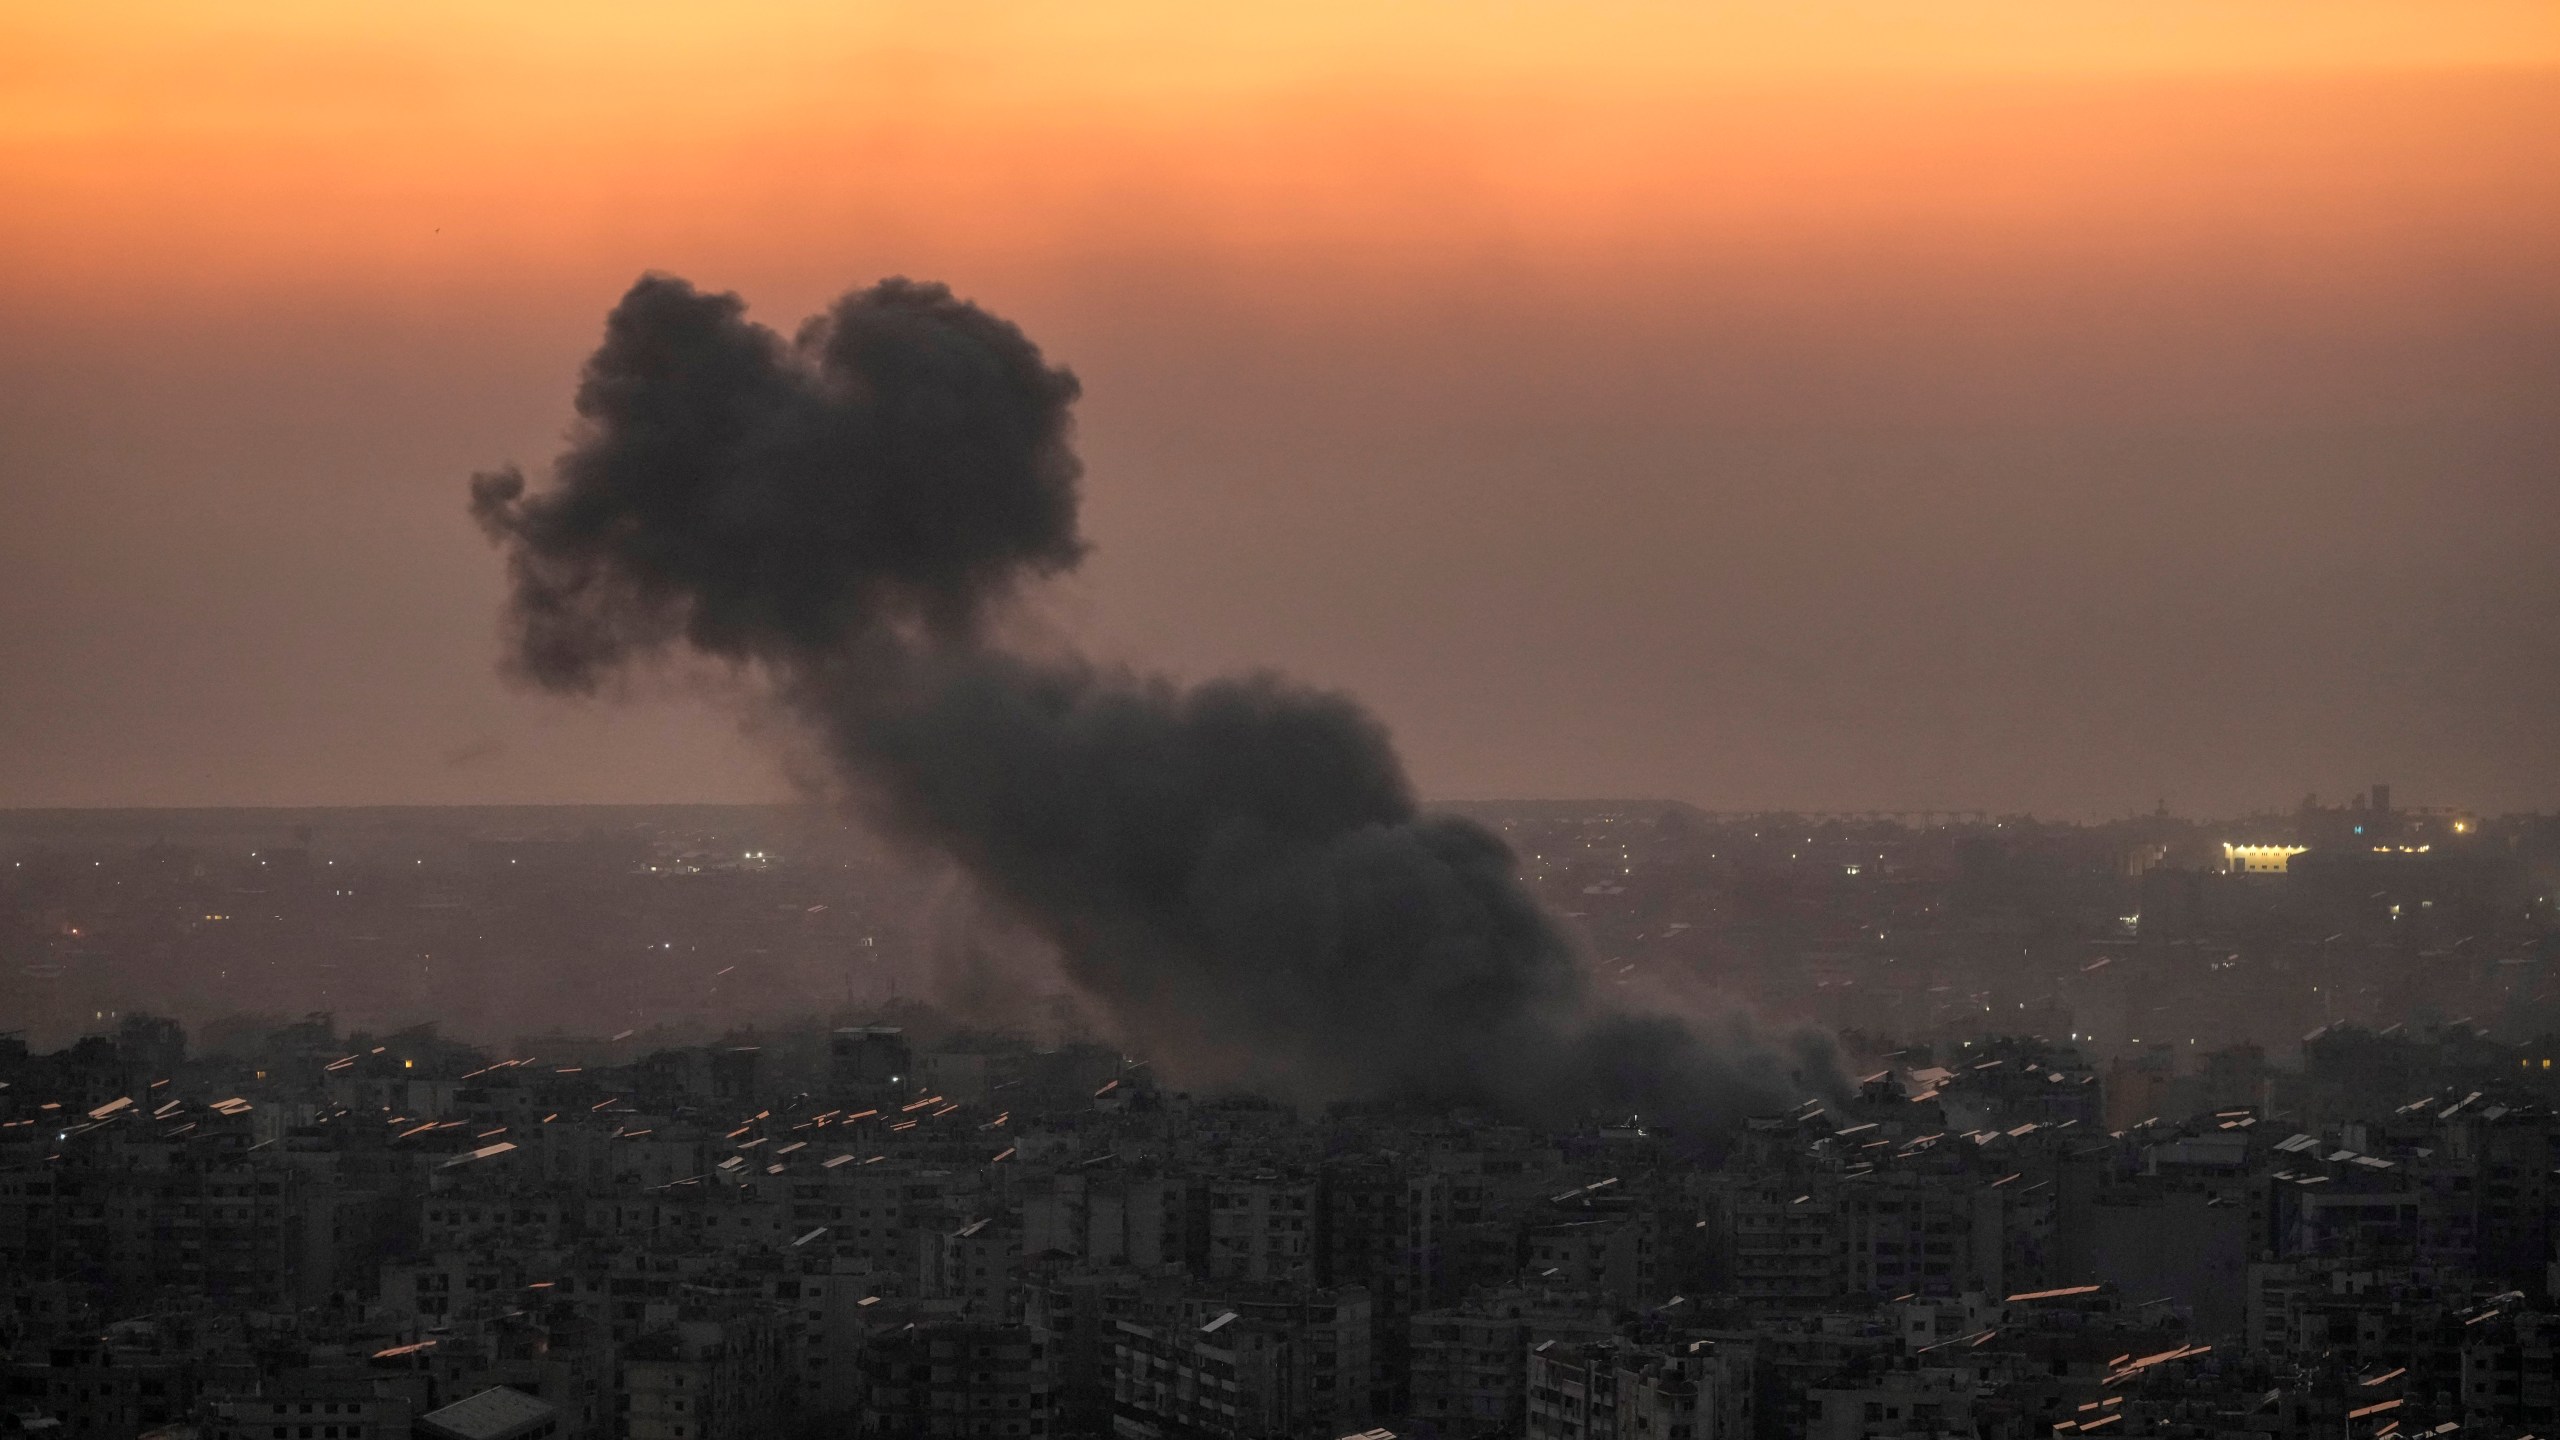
[[1236, 872]]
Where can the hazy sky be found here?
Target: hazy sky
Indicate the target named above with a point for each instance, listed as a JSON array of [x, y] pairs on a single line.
[[1999, 404]]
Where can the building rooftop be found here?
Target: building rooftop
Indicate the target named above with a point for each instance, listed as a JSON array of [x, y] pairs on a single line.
[[497, 1413]]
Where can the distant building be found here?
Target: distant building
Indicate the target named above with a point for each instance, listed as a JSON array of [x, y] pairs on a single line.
[[1615, 1390], [2250, 859], [708, 1380], [967, 1381]]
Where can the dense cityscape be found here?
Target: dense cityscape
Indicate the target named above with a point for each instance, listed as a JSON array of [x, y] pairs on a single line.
[[683, 1124]]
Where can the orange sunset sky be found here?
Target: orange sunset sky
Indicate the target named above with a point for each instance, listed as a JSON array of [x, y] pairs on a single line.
[[2024, 406]]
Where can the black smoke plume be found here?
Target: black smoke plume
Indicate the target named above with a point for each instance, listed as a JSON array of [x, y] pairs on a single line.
[[1236, 871]]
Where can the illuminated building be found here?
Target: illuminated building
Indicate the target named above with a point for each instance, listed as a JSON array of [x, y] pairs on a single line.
[[2258, 859]]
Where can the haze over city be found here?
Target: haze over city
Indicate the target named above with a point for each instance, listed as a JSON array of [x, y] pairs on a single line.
[[1994, 405]]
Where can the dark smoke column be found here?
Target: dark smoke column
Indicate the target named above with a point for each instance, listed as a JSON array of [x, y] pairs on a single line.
[[1237, 870]]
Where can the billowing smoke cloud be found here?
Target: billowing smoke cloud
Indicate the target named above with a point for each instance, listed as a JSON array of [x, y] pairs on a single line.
[[1236, 871]]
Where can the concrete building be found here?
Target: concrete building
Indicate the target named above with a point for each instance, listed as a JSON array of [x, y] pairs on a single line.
[[1469, 1363], [725, 1379], [958, 1379]]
